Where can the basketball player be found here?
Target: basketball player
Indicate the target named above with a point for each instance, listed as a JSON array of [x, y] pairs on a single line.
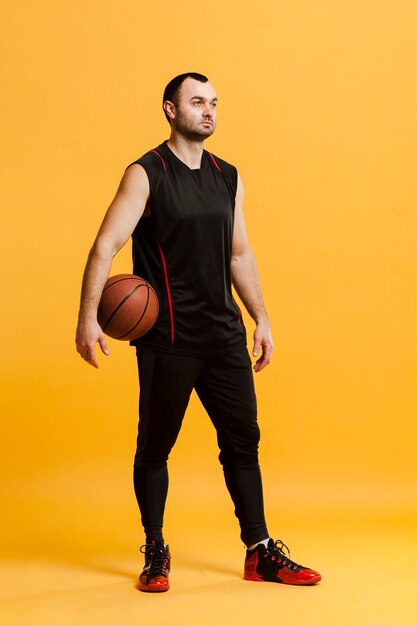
[[183, 208]]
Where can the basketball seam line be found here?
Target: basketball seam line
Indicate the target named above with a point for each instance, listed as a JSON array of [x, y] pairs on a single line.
[[120, 280], [140, 319], [121, 304]]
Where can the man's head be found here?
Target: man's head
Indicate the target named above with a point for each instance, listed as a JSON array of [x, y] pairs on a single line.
[[189, 104]]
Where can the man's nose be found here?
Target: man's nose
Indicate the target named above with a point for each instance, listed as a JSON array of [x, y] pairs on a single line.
[[207, 111]]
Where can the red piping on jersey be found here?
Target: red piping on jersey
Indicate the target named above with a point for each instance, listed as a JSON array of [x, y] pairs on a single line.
[[214, 161], [171, 313], [163, 162]]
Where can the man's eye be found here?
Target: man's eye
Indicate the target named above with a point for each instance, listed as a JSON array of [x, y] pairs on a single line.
[[197, 103], [213, 105]]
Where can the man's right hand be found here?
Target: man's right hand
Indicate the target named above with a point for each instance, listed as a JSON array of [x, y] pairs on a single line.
[[87, 335]]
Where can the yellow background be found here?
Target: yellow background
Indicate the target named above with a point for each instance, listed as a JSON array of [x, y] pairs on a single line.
[[317, 105]]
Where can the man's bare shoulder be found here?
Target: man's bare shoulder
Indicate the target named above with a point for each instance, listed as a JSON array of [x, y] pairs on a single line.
[[134, 178], [134, 170]]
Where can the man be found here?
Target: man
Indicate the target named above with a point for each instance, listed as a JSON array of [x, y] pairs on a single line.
[[183, 208]]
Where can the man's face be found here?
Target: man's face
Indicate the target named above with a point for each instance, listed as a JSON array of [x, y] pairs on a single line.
[[195, 115]]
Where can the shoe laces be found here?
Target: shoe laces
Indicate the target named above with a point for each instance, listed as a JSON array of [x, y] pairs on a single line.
[[156, 559], [276, 554]]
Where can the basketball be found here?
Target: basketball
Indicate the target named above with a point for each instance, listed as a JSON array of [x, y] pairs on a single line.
[[128, 307]]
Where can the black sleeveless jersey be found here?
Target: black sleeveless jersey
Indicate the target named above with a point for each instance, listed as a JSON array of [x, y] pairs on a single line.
[[182, 246]]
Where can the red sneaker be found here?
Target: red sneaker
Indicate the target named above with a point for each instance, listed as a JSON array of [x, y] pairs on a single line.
[[157, 565], [271, 564]]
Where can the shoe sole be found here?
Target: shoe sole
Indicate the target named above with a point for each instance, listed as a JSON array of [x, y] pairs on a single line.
[[259, 579], [154, 587]]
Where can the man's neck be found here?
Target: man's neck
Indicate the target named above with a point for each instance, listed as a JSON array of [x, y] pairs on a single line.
[[188, 151]]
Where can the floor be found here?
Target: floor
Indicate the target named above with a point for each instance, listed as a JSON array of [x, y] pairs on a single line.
[[74, 560]]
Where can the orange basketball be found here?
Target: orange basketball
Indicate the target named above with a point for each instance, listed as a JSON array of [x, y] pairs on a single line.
[[128, 307]]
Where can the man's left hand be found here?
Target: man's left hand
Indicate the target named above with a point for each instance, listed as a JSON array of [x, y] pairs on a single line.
[[262, 341]]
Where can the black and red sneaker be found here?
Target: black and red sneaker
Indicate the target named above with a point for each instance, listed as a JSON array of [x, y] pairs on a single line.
[[271, 564], [155, 575]]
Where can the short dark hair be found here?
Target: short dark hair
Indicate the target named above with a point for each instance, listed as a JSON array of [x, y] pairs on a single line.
[[173, 88]]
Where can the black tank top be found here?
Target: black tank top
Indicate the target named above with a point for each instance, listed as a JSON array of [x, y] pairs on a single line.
[[182, 246]]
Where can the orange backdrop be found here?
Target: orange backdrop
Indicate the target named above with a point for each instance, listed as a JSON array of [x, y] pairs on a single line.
[[317, 107]]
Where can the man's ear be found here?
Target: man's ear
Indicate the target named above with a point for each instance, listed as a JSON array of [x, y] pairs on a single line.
[[169, 108]]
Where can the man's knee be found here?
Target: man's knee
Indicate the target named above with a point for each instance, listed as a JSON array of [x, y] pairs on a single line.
[[146, 463], [241, 450]]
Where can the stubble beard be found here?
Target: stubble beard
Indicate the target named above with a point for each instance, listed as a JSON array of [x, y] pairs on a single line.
[[193, 131]]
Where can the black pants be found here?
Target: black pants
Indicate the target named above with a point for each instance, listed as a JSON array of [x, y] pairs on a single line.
[[224, 384]]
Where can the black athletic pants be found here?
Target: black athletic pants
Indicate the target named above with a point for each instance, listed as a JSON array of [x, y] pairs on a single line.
[[224, 384]]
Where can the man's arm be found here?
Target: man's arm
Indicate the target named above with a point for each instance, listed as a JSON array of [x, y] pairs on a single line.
[[119, 222], [245, 278]]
